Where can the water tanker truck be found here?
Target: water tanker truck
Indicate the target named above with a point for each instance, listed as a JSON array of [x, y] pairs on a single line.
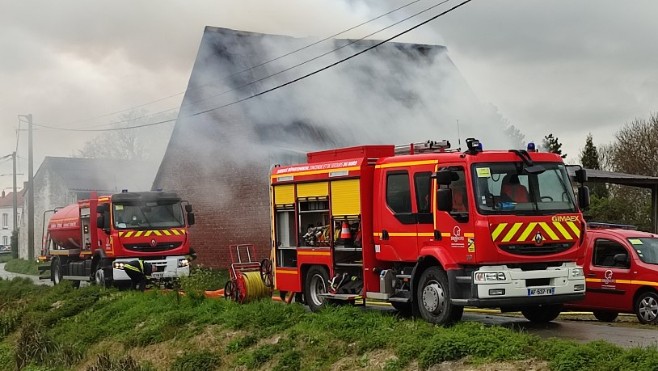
[[92, 240]]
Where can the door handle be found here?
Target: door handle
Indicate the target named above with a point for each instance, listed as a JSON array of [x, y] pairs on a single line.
[[384, 234], [591, 274]]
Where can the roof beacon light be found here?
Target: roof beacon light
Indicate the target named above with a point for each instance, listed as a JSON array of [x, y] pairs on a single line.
[[124, 191], [474, 146], [531, 147]]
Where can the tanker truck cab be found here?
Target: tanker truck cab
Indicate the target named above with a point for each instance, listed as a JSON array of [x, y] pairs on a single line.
[[149, 226]]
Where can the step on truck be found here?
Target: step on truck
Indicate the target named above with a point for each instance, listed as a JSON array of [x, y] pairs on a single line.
[[429, 230], [93, 239]]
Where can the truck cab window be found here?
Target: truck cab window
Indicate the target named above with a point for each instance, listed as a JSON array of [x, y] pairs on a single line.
[[605, 251], [398, 193], [422, 184]]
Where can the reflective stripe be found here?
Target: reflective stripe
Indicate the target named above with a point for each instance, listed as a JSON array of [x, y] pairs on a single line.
[[498, 230], [574, 228], [562, 230], [407, 163], [512, 232], [548, 231], [527, 231]]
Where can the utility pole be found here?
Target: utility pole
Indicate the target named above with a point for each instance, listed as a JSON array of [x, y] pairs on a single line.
[[30, 190], [15, 201]]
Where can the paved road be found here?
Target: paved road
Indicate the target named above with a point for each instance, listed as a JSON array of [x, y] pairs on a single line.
[[578, 331], [10, 275]]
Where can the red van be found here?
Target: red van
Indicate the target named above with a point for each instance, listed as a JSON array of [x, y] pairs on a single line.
[[621, 273]]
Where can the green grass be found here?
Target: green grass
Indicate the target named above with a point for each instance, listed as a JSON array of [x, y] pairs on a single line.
[[62, 328], [22, 266], [5, 258]]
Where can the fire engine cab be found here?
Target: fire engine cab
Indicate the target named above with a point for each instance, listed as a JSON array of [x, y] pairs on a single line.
[[429, 229]]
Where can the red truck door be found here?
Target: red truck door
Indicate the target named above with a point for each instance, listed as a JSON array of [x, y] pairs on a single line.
[[395, 220], [456, 227], [608, 279]]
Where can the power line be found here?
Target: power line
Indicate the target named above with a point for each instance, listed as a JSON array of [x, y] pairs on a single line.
[[246, 69], [280, 85], [335, 63]]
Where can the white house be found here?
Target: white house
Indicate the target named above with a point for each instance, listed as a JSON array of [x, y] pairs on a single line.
[[7, 215]]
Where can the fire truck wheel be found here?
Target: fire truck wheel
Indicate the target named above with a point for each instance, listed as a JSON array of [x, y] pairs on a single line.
[[542, 314], [433, 298], [605, 316], [646, 307], [314, 285], [99, 278], [56, 271], [404, 309]]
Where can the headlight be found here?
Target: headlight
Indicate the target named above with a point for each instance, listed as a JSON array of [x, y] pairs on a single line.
[[117, 265], [183, 263], [489, 276], [577, 272]]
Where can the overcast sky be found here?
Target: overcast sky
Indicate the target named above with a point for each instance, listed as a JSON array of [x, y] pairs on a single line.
[[561, 67]]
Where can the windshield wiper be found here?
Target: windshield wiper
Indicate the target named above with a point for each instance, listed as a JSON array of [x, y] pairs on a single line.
[[530, 167]]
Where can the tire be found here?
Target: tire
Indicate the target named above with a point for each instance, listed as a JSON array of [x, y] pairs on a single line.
[[646, 307], [542, 313], [433, 298], [404, 309], [315, 283], [605, 316], [56, 271]]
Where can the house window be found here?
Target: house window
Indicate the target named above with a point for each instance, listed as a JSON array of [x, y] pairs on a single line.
[[5, 240], [5, 221]]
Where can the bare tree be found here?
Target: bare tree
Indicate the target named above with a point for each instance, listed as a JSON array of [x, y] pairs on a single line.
[[128, 142]]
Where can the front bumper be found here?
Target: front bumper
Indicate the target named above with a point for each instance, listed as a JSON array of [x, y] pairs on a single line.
[[167, 268], [554, 285]]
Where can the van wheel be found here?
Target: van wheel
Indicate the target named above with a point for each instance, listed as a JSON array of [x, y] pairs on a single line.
[[56, 271], [646, 307], [434, 298], [605, 316], [542, 313], [314, 285]]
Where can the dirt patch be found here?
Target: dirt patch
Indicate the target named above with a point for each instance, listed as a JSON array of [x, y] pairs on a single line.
[[462, 365]]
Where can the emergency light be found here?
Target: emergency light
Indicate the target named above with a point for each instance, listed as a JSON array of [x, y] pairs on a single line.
[[531, 147]]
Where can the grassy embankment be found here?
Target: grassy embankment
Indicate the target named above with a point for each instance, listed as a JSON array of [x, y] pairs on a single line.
[[62, 328], [22, 266]]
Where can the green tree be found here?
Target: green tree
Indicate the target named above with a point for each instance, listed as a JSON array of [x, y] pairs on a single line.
[[553, 145], [590, 159]]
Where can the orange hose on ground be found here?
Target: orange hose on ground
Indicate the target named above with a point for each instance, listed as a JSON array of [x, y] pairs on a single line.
[[214, 294]]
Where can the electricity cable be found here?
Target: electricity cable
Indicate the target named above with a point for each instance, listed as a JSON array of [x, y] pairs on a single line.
[[255, 66], [335, 63], [283, 84]]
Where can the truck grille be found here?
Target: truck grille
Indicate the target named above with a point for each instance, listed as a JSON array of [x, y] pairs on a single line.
[[146, 247], [530, 249]]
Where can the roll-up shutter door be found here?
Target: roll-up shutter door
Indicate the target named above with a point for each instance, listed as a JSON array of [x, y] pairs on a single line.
[[284, 194], [345, 197], [320, 189]]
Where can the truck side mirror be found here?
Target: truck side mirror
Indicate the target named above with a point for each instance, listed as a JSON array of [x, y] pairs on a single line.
[[190, 218], [100, 221], [188, 208], [444, 199], [583, 197], [445, 177], [581, 176]]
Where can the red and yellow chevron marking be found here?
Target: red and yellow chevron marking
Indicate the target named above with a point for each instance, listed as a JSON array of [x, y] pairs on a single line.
[[153, 232], [525, 232]]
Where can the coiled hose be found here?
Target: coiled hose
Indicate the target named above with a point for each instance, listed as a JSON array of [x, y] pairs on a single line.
[[254, 287]]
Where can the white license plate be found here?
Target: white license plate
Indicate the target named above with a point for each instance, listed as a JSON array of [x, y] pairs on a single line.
[[541, 291]]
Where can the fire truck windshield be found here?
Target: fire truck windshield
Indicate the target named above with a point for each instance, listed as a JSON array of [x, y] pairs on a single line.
[[505, 188], [646, 248], [148, 215]]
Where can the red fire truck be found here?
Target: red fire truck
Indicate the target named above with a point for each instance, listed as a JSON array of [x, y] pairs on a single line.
[[429, 230], [93, 239]]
